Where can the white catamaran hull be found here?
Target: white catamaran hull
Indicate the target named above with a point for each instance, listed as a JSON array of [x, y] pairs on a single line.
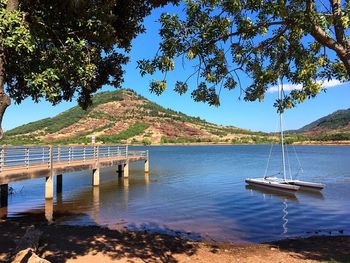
[[304, 185], [273, 185], [307, 185]]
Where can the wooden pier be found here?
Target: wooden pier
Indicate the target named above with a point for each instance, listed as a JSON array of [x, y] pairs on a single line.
[[23, 163]]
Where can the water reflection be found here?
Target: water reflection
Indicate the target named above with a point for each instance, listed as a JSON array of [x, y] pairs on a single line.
[[126, 193], [59, 199], [147, 178], [3, 212], [284, 196], [49, 210], [270, 193], [285, 220], [96, 204], [313, 194]]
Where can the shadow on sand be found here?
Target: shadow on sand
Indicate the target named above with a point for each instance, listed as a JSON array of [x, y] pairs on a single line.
[[79, 241], [323, 248], [58, 243]]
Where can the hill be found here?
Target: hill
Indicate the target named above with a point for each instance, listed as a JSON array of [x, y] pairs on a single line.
[[334, 127], [337, 121], [126, 117]]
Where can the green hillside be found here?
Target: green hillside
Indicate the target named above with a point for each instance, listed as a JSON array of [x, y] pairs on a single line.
[[123, 116], [338, 120], [65, 118]]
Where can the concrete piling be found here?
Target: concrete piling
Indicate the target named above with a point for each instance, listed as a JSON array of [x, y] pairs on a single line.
[[96, 177], [147, 166], [120, 170], [59, 183], [49, 187], [126, 170], [4, 195]]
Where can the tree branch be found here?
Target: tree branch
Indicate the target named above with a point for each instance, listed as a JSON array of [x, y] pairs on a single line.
[[241, 31], [320, 35], [267, 42], [338, 26]]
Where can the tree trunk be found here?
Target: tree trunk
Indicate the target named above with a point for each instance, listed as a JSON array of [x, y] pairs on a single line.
[[5, 100], [4, 103]]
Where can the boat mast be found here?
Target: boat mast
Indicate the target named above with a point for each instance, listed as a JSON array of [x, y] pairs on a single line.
[[281, 132]]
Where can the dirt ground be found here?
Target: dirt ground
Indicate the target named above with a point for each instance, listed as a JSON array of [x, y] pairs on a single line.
[[60, 243]]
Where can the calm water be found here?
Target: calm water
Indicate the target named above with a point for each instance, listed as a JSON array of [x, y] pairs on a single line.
[[199, 191]]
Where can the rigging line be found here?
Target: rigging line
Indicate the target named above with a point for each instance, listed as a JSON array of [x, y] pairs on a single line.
[[268, 160], [297, 157], [281, 128], [275, 174], [282, 137], [288, 161], [271, 147]]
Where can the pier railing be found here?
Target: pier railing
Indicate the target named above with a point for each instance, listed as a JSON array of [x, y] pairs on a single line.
[[26, 157], [138, 153]]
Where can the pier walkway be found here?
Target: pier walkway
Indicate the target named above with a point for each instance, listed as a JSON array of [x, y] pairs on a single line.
[[28, 162]]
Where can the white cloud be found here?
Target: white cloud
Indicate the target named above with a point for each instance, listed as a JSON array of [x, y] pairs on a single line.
[[332, 83], [325, 84]]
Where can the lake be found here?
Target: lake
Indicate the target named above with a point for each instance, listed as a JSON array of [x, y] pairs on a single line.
[[199, 192]]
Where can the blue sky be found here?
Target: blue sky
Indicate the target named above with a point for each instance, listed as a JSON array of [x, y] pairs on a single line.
[[258, 116]]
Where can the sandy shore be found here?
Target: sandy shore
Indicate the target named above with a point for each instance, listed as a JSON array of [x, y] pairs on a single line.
[[59, 243]]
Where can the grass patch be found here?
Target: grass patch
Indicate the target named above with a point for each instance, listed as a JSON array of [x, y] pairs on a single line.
[[186, 140], [66, 118], [134, 130]]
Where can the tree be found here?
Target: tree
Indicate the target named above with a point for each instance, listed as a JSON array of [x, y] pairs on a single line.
[[299, 41], [54, 50]]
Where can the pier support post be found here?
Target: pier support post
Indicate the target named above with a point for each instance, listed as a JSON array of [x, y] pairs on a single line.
[[49, 187], [96, 177], [49, 179], [126, 170], [147, 166], [59, 183], [4, 195], [120, 170]]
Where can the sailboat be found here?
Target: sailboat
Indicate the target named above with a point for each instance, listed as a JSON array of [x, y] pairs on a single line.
[[283, 184]]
